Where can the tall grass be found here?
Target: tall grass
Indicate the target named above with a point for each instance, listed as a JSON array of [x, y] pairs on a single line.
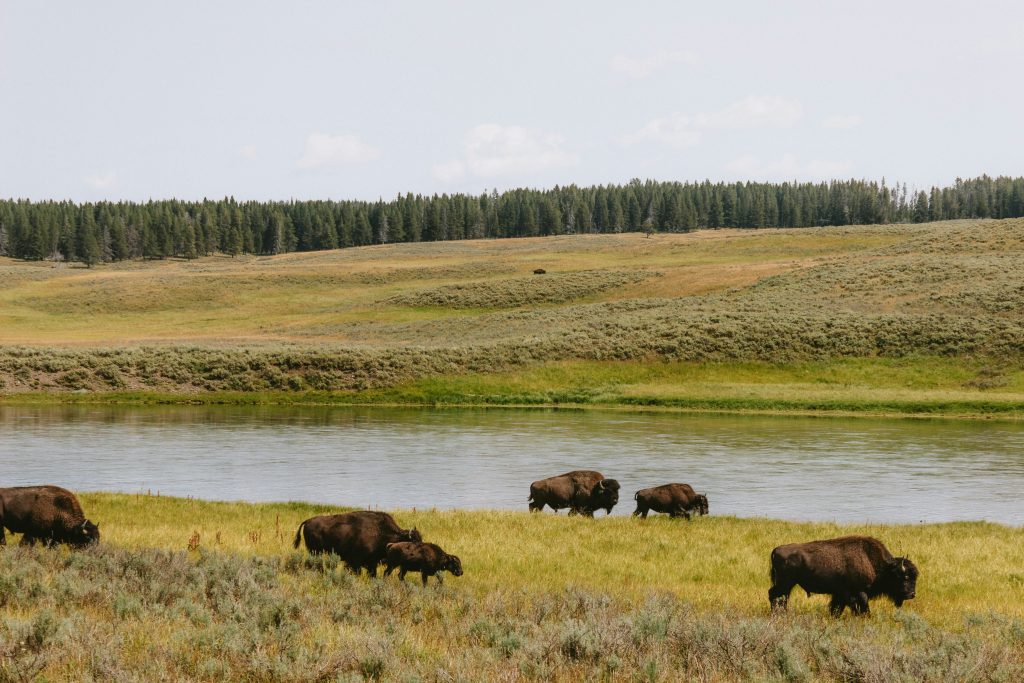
[[543, 598]]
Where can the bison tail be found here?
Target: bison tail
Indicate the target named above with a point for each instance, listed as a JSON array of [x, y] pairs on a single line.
[[298, 535]]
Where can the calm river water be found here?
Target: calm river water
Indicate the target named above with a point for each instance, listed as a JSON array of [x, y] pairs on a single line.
[[791, 468]]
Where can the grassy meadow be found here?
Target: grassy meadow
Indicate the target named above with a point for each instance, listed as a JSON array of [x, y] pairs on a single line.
[[193, 590], [898, 319]]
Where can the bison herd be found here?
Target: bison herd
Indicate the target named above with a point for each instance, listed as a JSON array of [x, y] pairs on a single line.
[[851, 569]]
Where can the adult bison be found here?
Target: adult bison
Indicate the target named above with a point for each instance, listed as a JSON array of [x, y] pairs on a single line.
[[675, 499], [359, 538], [426, 558], [851, 569], [48, 514], [582, 491]]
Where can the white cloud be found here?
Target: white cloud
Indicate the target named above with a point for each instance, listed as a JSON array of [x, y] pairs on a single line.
[[682, 130], [491, 150], [326, 151], [788, 167], [642, 67], [103, 181], [248, 152], [677, 130], [754, 112], [842, 122]]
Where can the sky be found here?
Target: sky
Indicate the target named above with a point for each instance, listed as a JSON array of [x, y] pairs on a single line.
[[364, 100]]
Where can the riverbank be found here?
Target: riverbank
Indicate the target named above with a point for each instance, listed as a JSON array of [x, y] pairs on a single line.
[[215, 591], [919, 386]]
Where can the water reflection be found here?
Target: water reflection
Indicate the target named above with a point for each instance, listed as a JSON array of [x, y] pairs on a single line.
[[795, 468]]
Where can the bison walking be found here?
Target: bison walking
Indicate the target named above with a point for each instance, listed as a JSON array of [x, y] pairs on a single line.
[[582, 491], [851, 569], [48, 514], [426, 558], [674, 499], [359, 538]]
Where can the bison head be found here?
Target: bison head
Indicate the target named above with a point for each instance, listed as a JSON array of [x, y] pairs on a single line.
[[702, 504], [605, 495], [453, 564], [411, 535], [900, 580], [85, 533]]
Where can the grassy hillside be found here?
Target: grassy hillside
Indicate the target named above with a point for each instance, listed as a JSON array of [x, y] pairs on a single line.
[[185, 589], [893, 319]]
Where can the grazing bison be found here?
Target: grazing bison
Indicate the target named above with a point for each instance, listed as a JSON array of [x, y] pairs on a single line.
[[539, 271], [48, 514], [582, 491], [851, 569], [675, 499], [426, 558], [359, 538]]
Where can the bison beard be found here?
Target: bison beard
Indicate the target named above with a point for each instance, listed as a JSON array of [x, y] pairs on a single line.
[[851, 569]]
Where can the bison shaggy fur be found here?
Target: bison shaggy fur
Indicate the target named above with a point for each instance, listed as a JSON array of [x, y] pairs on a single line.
[[49, 514], [851, 569], [582, 491], [426, 558], [359, 538], [674, 499]]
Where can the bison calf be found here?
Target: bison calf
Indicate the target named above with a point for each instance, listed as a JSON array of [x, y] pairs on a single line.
[[426, 558], [674, 499], [851, 569], [48, 514]]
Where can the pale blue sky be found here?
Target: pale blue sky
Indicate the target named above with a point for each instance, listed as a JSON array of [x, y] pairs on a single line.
[[132, 100]]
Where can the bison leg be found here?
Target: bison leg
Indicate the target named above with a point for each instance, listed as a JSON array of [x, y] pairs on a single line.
[[29, 540], [838, 604], [778, 596], [641, 511], [401, 574], [3, 538], [859, 604], [388, 568], [371, 569], [423, 575]]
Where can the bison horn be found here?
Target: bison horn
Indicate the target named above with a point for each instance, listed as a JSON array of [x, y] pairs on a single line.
[[903, 564]]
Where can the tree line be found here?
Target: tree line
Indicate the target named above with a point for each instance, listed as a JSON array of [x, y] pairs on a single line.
[[107, 231]]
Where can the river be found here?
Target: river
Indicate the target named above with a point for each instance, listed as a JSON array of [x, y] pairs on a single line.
[[828, 469]]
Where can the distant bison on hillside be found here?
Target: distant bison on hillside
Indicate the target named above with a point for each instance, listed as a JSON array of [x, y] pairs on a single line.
[[582, 491], [675, 499], [359, 538], [48, 514], [539, 271], [851, 569]]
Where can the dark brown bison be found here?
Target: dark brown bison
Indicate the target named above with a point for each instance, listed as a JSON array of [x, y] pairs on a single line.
[[48, 514], [426, 558], [539, 271], [675, 499], [851, 569], [582, 491], [359, 538]]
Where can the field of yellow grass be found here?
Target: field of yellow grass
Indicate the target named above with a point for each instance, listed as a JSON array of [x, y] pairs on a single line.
[[896, 319], [185, 589]]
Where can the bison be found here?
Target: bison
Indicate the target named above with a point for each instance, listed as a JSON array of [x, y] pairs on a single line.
[[851, 569], [539, 271], [359, 538], [582, 491], [48, 514], [426, 558], [675, 499]]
